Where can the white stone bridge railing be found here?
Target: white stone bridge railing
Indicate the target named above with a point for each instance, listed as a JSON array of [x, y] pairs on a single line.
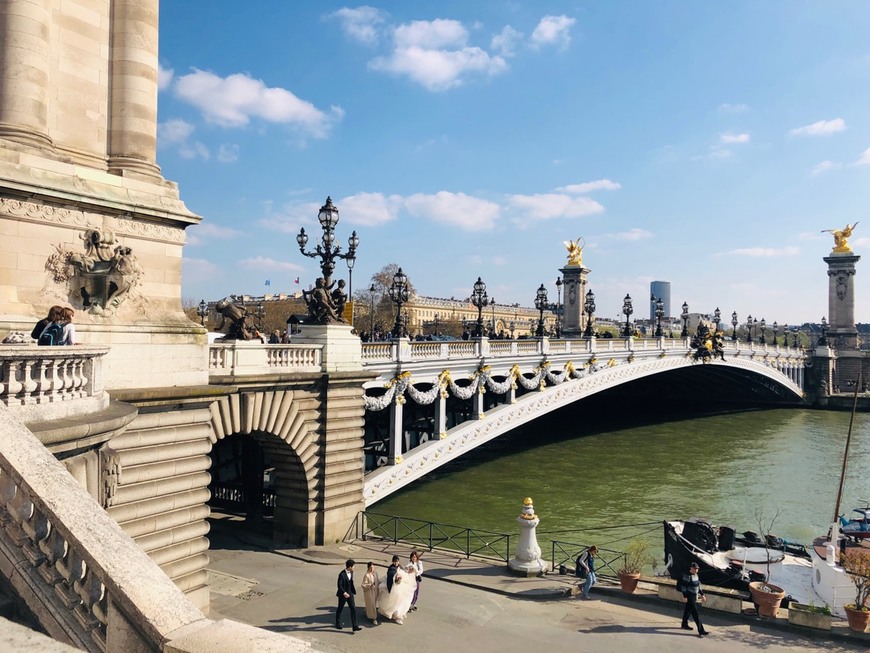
[[86, 582], [47, 383], [246, 358]]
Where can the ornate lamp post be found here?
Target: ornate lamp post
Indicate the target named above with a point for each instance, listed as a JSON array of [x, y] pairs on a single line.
[[479, 299], [372, 290], [734, 326], [260, 312], [352, 244], [400, 294], [558, 306], [659, 312], [437, 317], [627, 310], [749, 329], [824, 339], [717, 317], [513, 327], [202, 311], [685, 317], [774, 333], [541, 304], [590, 311], [492, 317], [326, 250], [763, 327]]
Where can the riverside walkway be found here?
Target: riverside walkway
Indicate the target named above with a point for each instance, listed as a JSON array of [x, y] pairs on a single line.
[[472, 605]]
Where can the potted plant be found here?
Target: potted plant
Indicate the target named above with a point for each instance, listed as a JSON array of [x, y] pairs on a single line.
[[858, 567], [766, 596], [810, 615], [633, 559]]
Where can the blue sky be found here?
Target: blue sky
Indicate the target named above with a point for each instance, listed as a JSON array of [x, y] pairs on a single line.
[[705, 144]]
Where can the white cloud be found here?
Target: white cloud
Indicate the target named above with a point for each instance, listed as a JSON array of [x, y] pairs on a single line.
[[454, 209], [234, 100], [589, 186], [506, 41], [725, 107], [435, 55], [763, 252], [715, 152], [730, 139], [360, 24], [228, 153], [173, 131], [265, 263], [210, 230], [820, 128], [370, 209], [291, 216], [553, 30], [194, 150], [164, 77], [634, 234], [864, 159], [824, 166], [547, 206]]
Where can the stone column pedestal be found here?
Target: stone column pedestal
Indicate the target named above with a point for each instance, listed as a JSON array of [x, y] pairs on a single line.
[[573, 316], [842, 333], [527, 561]]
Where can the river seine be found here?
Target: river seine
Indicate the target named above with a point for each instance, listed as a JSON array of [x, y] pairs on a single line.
[[609, 463]]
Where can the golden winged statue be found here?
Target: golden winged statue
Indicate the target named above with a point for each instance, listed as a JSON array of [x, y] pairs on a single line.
[[575, 250], [841, 238]]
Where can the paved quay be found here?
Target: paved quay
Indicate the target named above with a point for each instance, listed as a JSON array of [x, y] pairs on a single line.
[[474, 605]]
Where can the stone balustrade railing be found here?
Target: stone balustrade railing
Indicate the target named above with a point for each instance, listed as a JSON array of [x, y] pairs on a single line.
[[47, 383], [86, 582], [245, 358]]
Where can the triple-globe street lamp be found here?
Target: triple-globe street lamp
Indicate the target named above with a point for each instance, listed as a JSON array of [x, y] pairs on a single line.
[[590, 312], [685, 317], [734, 326], [659, 313], [202, 311], [541, 304], [479, 299], [763, 328], [627, 310], [749, 329], [399, 293]]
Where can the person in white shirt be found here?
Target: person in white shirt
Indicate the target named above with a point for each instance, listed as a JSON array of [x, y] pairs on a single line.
[[418, 570]]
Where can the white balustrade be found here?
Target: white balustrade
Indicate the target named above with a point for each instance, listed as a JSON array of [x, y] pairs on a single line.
[[245, 358]]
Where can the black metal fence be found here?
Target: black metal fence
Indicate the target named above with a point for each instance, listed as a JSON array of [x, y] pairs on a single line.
[[434, 535], [608, 562]]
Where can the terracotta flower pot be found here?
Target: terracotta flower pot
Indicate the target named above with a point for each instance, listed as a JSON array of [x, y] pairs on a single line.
[[628, 581], [857, 619], [766, 598]]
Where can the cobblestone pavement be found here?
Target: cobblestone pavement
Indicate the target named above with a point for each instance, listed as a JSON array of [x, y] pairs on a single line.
[[473, 606]]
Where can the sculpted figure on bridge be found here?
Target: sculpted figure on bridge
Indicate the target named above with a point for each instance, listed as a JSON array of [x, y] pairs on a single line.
[[575, 250], [841, 238], [237, 316]]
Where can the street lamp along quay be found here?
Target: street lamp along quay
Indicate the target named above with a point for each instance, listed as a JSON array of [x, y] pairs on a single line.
[[372, 290], [541, 304], [202, 311], [559, 307], [734, 326], [685, 317], [659, 312], [717, 317], [749, 329]]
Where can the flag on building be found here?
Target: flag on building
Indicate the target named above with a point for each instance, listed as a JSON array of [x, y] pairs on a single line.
[[268, 282], [296, 280]]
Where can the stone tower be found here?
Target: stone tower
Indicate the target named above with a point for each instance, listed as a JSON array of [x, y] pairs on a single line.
[[86, 218], [842, 333]]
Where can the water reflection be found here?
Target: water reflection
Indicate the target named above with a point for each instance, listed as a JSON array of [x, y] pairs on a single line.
[[606, 463]]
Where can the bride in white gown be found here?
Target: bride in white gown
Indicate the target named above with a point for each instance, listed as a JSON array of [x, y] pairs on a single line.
[[396, 603]]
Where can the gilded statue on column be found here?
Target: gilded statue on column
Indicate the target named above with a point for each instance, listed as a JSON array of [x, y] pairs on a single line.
[[575, 250], [841, 238]]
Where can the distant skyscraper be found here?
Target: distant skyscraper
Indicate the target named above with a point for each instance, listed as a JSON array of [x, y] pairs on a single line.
[[660, 290]]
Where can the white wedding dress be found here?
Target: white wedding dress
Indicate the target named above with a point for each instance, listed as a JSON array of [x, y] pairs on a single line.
[[396, 603]]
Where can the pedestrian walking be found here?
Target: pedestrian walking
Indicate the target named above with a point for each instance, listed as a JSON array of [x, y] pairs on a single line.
[[418, 572], [370, 585], [345, 594], [585, 569], [691, 588]]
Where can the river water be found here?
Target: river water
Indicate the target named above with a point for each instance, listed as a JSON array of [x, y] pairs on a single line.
[[611, 463]]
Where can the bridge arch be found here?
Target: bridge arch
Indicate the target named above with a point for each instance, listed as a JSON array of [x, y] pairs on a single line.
[[286, 426], [568, 386]]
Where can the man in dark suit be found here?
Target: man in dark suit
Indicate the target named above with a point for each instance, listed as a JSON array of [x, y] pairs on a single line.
[[345, 594], [391, 573]]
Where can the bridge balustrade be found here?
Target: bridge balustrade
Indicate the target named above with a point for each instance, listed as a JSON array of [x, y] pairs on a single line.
[[47, 383], [244, 358]]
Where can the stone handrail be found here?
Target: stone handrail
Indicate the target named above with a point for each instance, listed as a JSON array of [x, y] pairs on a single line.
[[47, 383], [246, 358], [86, 582]]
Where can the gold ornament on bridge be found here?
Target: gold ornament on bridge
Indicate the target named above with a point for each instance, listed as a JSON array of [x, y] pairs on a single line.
[[841, 238], [528, 509], [575, 250]]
